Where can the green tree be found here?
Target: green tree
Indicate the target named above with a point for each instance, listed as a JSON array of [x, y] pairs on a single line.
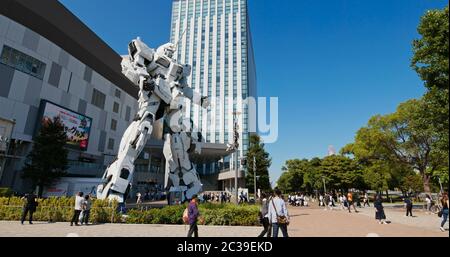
[[400, 139], [341, 173], [263, 162], [47, 161], [412, 183], [292, 178], [284, 181], [377, 176], [379, 173], [430, 58], [312, 179], [431, 62]]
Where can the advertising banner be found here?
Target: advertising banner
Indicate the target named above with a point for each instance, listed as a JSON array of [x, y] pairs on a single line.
[[76, 125]]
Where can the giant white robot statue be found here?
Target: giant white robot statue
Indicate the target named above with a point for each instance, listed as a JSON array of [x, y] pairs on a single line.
[[162, 92]]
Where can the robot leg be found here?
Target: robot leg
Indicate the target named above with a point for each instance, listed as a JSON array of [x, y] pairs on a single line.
[[192, 180], [119, 174], [171, 163], [190, 175]]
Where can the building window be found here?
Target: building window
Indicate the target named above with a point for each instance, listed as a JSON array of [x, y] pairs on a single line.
[[127, 113], [111, 144], [117, 93], [116, 107], [113, 124], [22, 62], [98, 99]]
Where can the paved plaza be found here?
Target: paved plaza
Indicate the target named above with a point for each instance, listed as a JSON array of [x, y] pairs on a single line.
[[305, 222]]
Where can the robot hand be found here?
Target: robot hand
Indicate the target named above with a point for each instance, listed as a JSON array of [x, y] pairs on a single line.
[[205, 102], [230, 147], [198, 147]]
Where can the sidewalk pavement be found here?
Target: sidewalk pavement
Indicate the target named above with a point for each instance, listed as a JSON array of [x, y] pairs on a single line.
[[63, 229]]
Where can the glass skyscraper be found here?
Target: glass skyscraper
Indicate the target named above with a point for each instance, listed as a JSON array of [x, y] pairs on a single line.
[[214, 37]]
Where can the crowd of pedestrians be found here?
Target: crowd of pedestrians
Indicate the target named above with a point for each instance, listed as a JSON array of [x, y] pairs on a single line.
[[273, 215], [298, 199], [222, 197]]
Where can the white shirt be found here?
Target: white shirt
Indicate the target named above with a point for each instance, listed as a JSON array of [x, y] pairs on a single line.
[[281, 209], [428, 200], [78, 202]]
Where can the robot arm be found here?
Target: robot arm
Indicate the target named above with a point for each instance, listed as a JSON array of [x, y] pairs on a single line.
[[188, 92], [195, 97]]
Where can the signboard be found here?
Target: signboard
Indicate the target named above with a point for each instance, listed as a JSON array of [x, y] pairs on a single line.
[[69, 186], [57, 190], [77, 126]]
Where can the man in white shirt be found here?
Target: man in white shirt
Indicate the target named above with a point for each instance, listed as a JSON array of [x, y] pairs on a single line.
[[278, 214], [78, 207]]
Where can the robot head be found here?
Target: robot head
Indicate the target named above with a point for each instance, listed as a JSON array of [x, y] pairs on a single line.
[[166, 50], [139, 51]]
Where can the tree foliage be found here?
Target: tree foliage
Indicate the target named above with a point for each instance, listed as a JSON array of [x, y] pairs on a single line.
[[338, 172], [398, 141], [430, 58], [431, 62], [263, 162], [47, 161]]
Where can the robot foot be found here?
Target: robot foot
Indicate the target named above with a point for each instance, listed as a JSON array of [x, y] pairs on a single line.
[[117, 197], [195, 189]]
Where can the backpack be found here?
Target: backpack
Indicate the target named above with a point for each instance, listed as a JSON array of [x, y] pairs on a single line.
[[186, 216]]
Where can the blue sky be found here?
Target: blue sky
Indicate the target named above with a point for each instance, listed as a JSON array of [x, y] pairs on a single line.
[[332, 63]]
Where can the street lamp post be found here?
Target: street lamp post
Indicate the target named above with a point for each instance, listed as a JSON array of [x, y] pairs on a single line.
[[324, 187], [254, 174], [236, 148]]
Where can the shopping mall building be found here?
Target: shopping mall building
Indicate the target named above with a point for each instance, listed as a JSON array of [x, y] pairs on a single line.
[[52, 64]]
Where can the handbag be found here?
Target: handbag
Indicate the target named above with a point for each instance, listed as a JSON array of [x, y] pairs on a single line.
[[281, 219], [440, 214]]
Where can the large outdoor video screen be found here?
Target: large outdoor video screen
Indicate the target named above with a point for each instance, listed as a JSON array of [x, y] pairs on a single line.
[[76, 125]]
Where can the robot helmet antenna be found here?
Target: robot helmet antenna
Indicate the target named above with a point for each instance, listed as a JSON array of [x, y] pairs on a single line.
[[179, 39]]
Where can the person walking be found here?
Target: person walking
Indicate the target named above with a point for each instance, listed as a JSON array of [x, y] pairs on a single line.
[[444, 203], [86, 210], [379, 210], [78, 208], [350, 202], [138, 198], [429, 202], [193, 215], [409, 206], [343, 202], [366, 200], [29, 207], [331, 204], [278, 214], [264, 215], [344, 199]]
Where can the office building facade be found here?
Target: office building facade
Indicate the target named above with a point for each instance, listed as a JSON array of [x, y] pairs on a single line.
[[50, 59], [213, 36]]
